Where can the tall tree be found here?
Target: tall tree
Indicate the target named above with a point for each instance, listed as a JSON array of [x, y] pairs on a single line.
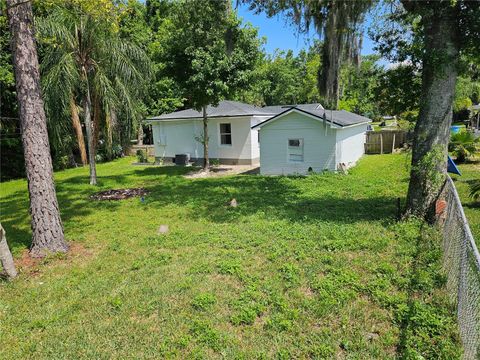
[[84, 56], [337, 21], [209, 54], [449, 29], [46, 223]]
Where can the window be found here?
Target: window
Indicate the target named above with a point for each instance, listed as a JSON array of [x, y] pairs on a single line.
[[226, 134], [295, 150]]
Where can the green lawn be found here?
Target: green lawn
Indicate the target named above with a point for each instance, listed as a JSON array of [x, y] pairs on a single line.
[[304, 267], [469, 172]]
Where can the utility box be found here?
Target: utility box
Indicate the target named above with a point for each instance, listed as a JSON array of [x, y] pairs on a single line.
[[182, 159]]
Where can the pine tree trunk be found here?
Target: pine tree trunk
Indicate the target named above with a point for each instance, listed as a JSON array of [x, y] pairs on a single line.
[[47, 230], [6, 258], [87, 105], [432, 131], [77, 126], [206, 160]]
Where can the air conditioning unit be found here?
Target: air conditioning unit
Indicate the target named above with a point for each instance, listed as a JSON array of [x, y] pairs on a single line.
[[182, 159]]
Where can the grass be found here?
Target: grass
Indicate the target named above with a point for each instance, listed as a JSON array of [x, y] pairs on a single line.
[[303, 267], [470, 171]]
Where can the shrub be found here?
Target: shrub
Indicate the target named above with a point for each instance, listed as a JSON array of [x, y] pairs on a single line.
[[475, 189], [463, 145], [141, 156]]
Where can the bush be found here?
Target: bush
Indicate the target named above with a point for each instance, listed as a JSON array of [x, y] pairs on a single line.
[[463, 145], [475, 189], [141, 156]]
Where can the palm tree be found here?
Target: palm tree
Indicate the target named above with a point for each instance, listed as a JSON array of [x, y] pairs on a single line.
[[85, 58], [475, 189], [464, 145]]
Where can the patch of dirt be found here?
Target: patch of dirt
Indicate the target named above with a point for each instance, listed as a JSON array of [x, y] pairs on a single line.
[[225, 170], [32, 266], [118, 194]]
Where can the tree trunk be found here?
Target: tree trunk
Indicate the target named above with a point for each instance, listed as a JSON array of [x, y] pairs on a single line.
[[6, 258], [87, 105], [206, 160], [109, 137], [97, 112], [432, 131], [140, 134], [77, 126], [47, 230], [332, 49]]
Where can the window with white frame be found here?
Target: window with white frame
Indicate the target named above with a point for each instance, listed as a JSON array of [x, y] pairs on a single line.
[[295, 150], [226, 134]]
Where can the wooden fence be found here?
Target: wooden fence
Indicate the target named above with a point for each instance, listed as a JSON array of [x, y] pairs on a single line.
[[385, 141], [149, 149]]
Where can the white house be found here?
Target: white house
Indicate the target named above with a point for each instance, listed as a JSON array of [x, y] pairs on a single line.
[[231, 138], [293, 139], [302, 139]]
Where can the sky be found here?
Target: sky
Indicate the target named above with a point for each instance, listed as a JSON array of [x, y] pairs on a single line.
[[282, 35]]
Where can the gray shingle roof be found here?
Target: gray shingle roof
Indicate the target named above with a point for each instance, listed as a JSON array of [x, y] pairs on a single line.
[[281, 108], [224, 109], [336, 117], [228, 108]]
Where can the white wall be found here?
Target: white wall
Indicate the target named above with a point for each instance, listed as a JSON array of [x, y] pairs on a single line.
[[318, 142], [180, 138], [351, 144]]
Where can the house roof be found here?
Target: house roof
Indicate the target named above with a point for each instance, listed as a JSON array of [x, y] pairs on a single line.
[[225, 108], [228, 108], [277, 109], [340, 118]]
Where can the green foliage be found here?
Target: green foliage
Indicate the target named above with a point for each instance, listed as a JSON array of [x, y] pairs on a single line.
[[283, 78], [358, 87], [475, 189], [467, 93], [81, 50], [207, 51], [464, 145], [141, 156], [203, 301], [398, 92]]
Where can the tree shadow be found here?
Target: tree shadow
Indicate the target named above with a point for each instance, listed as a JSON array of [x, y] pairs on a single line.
[[266, 196]]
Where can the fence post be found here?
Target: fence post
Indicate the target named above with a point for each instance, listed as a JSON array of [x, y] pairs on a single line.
[[381, 142]]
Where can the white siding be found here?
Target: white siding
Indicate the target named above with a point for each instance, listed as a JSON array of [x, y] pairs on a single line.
[[180, 138], [254, 135], [318, 145], [351, 144]]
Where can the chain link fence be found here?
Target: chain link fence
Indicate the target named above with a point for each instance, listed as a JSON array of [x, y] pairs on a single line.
[[461, 261]]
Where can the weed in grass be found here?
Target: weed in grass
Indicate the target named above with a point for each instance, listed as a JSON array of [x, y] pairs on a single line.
[[230, 267], [205, 334], [204, 301], [290, 274]]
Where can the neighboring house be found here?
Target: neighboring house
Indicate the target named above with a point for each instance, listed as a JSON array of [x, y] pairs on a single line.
[[293, 138], [302, 139], [231, 138]]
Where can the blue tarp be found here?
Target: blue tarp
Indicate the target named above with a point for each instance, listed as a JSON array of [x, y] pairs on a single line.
[[451, 167]]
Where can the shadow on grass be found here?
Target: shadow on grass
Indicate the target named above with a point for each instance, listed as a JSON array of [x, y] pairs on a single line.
[[269, 197]]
